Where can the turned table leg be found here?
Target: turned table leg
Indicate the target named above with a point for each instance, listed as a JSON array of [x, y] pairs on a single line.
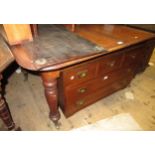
[[4, 112], [50, 86]]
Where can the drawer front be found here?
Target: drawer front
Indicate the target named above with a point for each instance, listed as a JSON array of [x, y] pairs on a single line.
[[77, 104], [78, 97], [86, 88], [110, 63], [78, 74]]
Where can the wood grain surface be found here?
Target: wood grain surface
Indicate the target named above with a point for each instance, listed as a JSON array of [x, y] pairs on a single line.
[[112, 37], [18, 33], [6, 56], [55, 47]]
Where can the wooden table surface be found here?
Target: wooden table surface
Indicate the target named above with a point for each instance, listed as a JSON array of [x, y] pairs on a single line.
[[56, 47], [112, 37]]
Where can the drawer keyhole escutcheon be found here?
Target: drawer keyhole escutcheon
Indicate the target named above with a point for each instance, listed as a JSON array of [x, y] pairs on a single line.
[[80, 103], [72, 77], [82, 90], [106, 77], [82, 74]]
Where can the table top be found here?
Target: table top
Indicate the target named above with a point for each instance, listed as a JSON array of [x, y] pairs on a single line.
[[56, 47], [113, 37], [6, 56]]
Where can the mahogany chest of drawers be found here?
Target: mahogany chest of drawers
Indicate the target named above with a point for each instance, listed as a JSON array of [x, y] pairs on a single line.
[[82, 84]]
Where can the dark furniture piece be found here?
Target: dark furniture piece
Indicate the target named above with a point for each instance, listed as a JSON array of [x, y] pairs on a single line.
[[6, 58], [80, 67], [145, 27]]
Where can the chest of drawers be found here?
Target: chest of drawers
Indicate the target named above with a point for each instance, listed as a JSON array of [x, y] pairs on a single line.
[[83, 84]]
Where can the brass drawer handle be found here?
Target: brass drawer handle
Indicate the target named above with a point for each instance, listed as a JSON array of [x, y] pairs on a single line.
[[80, 102], [82, 90], [82, 74]]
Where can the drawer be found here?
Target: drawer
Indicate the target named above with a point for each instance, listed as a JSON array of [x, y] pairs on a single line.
[[78, 97], [80, 73], [89, 87], [77, 104], [110, 63]]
